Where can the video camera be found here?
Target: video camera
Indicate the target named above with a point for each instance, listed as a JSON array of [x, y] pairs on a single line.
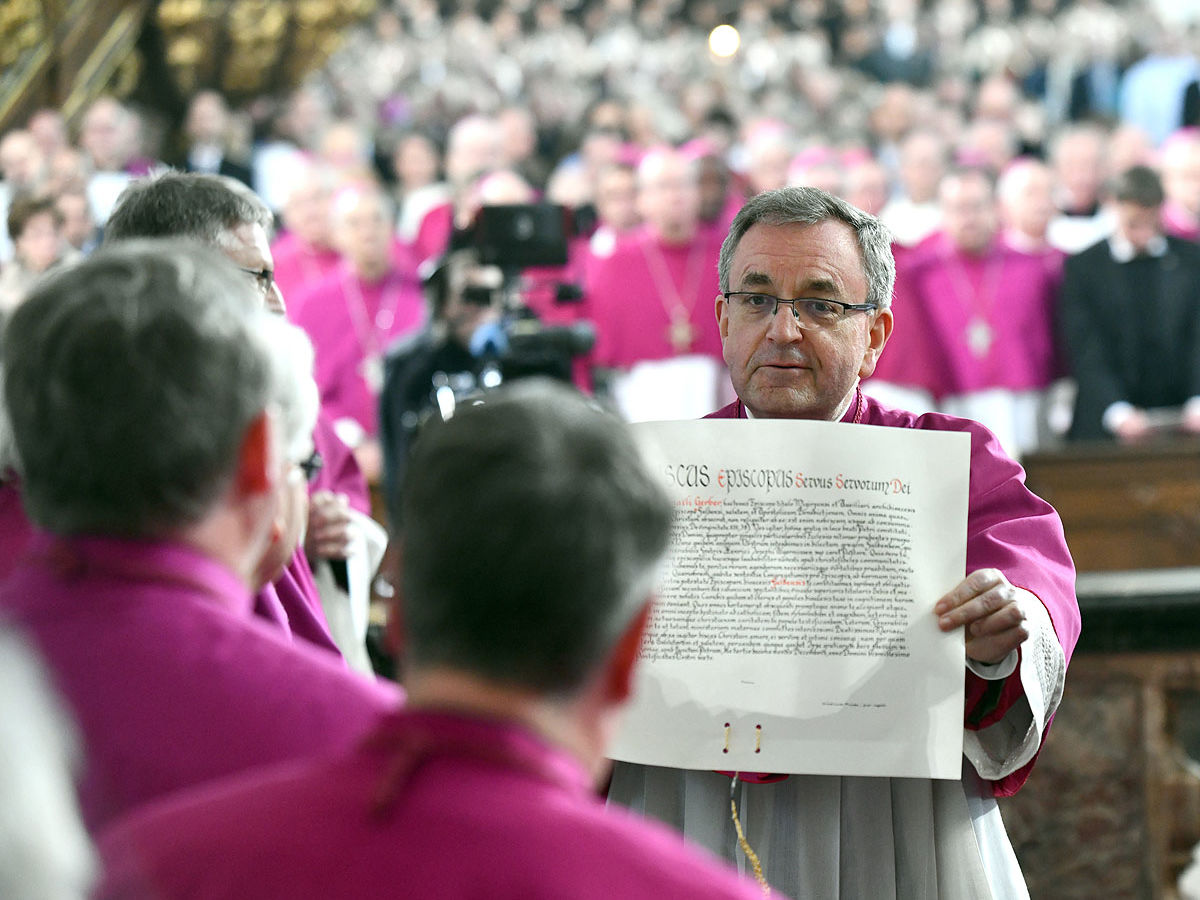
[[515, 238]]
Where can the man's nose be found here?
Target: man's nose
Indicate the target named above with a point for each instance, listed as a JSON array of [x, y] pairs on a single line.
[[783, 326]]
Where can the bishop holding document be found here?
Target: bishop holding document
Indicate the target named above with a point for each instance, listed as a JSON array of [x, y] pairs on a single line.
[[804, 313]]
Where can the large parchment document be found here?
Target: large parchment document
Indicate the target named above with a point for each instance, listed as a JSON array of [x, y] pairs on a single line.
[[794, 630]]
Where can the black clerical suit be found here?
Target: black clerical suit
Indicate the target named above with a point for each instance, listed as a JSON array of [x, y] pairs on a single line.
[[1132, 330]]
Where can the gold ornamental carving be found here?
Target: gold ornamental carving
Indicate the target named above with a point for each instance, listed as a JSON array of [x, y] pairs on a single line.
[[249, 47], [22, 29]]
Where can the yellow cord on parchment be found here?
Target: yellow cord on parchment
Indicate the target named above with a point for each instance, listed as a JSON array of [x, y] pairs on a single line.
[[745, 844]]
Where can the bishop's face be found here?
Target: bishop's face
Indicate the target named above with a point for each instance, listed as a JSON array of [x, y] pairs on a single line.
[[779, 369]]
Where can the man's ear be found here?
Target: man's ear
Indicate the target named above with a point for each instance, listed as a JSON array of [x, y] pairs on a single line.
[[622, 661], [877, 336], [721, 308], [258, 468]]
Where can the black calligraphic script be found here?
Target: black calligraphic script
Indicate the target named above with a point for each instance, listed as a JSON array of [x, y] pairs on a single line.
[[792, 576]]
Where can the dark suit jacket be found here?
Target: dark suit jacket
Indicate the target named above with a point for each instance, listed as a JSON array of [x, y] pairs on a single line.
[[1124, 344]]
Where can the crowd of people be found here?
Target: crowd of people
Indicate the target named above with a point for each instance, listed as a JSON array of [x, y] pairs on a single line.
[[208, 364], [163, 417]]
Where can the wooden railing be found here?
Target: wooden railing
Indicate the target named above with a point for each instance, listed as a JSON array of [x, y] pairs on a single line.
[[1113, 807], [1124, 506]]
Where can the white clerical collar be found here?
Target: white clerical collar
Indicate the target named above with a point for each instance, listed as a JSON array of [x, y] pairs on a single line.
[[1122, 251]]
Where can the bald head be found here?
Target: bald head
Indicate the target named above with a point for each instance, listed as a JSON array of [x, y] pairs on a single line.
[[1025, 198], [473, 146], [669, 195], [22, 164]]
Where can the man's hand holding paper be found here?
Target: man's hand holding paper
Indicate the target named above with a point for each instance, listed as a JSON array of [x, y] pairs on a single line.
[[986, 606]]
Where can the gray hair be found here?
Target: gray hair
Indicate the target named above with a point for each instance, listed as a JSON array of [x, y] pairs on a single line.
[[811, 206], [130, 380], [186, 205], [262, 213], [296, 395], [539, 461]]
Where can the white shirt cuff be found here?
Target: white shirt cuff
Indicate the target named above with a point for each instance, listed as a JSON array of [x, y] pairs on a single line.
[[995, 671], [1008, 744]]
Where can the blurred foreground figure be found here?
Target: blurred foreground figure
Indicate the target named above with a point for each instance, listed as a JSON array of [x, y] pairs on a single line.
[[45, 853], [221, 214], [518, 654], [148, 395]]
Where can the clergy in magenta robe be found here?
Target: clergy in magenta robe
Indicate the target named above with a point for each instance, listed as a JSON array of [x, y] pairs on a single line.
[[459, 806], [834, 837], [15, 529], [299, 266], [658, 351], [171, 680], [793, 825], [647, 286], [977, 334], [157, 481], [484, 785], [339, 472], [291, 603], [981, 320], [657, 346], [352, 321], [977, 330]]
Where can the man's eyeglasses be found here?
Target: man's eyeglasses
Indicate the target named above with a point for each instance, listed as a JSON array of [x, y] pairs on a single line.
[[264, 278], [311, 466], [753, 306]]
